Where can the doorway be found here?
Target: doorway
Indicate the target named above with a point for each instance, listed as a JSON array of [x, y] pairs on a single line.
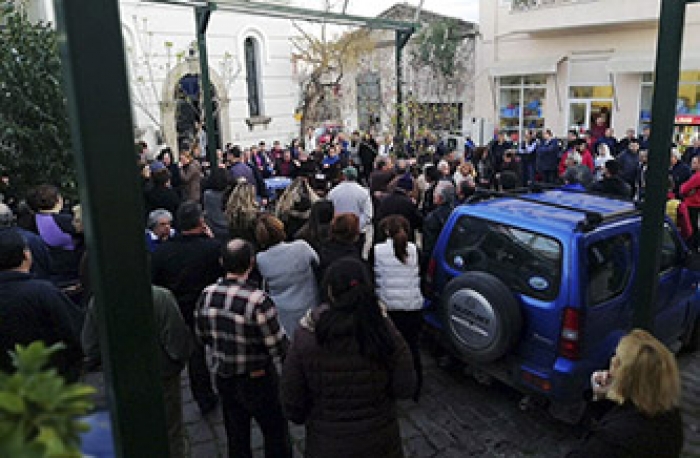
[[584, 113]]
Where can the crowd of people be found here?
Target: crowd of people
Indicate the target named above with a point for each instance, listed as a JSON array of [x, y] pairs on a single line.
[[308, 299]]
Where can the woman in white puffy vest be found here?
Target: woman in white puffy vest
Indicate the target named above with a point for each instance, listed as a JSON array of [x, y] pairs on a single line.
[[397, 283]]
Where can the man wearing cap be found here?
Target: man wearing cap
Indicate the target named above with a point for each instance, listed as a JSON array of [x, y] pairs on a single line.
[[349, 197]]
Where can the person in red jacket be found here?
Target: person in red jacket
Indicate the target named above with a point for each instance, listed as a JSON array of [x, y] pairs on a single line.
[[581, 147], [690, 191]]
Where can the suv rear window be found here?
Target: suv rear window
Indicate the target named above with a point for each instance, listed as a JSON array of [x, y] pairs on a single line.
[[609, 268], [527, 262]]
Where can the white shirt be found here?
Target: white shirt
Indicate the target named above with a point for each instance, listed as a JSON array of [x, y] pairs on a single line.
[[350, 197]]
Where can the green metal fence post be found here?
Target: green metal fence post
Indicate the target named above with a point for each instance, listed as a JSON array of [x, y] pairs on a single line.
[[202, 15], [668, 57], [402, 37], [92, 54]]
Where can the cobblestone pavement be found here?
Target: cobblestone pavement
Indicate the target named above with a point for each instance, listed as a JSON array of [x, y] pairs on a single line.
[[459, 417]]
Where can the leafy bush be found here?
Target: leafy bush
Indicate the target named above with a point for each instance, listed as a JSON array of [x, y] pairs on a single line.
[[38, 410], [34, 129]]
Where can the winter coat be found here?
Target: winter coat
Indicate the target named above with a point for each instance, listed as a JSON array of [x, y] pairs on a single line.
[[398, 203], [547, 154], [191, 175], [346, 401], [288, 269], [613, 186], [397, 284], [690, 190], [625, 432]]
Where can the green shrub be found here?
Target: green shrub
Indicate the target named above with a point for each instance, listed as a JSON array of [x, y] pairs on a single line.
[[38, 410]]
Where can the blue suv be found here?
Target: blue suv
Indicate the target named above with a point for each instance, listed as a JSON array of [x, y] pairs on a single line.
[[536, 289]]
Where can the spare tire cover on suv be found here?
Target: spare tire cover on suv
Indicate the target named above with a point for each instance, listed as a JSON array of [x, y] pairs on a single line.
[[482, 317]]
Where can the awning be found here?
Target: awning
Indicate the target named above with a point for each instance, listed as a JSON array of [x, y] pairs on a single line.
[[525, 67], [645, 63]]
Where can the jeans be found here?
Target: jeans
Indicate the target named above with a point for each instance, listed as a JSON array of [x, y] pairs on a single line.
[[243, 398]]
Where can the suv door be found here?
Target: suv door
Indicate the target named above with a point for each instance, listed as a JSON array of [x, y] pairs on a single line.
[[608, 268], [676, 290]]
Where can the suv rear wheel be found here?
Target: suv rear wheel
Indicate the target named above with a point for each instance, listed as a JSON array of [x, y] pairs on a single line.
[[481, 316]]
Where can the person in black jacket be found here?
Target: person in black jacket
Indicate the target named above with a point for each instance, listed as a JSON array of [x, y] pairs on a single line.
[[612, 184], [398, 202], [443, 197], [32, 309], [637, 403], [185, 265]]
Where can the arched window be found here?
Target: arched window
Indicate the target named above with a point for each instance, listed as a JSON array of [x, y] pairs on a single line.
[[252, 70]]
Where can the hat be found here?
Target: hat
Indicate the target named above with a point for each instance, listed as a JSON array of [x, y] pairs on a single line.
[[157, 165], [405, 182], [350, 173]]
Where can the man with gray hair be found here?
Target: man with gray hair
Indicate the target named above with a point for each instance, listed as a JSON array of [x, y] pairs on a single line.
[[443, 198], [41, 257], [159, 228]]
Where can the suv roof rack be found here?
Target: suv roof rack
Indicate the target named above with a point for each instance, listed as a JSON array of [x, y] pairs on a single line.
[[591, 219]]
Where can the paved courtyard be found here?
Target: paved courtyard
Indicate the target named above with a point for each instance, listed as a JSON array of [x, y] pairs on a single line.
[[459, 417]]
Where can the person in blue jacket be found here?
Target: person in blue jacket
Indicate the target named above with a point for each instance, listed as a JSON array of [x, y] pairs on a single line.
[[547, 157]]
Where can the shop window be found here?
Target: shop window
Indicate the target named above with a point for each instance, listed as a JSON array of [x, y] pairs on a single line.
[[687, 103], [520, 104]]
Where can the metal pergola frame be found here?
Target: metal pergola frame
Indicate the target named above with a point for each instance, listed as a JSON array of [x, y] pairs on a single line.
[[203, 9], [89, 35], [95, 80]]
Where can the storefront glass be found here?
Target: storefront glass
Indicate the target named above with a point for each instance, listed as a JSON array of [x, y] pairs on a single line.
[[520, 101], [687, 105]]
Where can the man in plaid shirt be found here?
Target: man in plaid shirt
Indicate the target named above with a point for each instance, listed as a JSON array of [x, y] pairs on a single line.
[[238, 322]]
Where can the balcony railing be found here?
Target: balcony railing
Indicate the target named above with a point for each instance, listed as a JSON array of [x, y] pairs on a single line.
[[530, 5]]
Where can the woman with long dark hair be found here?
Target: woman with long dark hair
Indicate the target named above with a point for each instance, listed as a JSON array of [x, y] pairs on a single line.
[[397, 284], [345, 369], [317, 228]]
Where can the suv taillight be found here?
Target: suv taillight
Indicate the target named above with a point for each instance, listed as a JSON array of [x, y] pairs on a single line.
[[569, 343], [430, 277]]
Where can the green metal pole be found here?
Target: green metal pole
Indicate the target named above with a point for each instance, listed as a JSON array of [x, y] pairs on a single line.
[[668, 58], [94, 70], [202, 15], [402, 37]]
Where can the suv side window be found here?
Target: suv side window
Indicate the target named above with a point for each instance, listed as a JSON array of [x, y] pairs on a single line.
[[669, 250], [610, 266], [527, 262]]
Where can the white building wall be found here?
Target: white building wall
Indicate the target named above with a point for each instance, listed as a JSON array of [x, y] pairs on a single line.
[[157, 39], [568, 30]]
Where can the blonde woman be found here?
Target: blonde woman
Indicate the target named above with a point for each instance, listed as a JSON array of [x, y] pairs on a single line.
[[639, 394], [242, 212], [294, 206]]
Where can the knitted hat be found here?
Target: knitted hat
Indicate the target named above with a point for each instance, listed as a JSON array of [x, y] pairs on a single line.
[[350, 173], [405, 182]]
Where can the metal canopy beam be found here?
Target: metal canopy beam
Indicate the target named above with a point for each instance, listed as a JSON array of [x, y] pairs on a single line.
[[295, 13]]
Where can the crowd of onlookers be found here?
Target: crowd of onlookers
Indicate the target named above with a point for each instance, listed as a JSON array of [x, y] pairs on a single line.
[[306, 297]]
